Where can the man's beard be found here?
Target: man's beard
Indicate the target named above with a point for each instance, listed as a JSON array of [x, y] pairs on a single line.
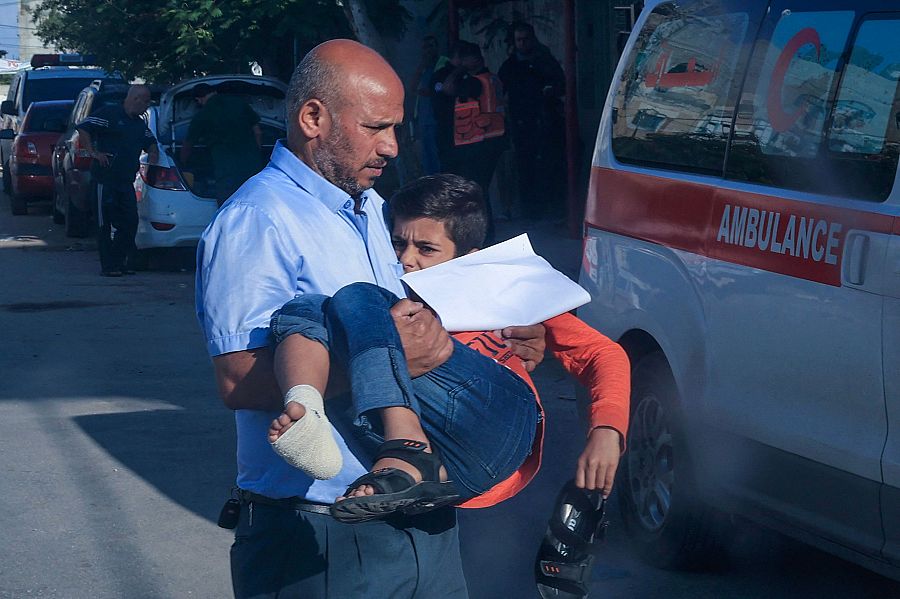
[[338, 173]]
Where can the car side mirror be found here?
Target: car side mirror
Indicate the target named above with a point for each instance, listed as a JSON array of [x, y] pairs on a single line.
[[8, 107], [7, 134], [54, 125]]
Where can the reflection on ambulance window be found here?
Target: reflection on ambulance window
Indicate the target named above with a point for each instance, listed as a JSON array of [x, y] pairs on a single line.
[[799, 71], [803, 125], [866, 100], [679, 89]]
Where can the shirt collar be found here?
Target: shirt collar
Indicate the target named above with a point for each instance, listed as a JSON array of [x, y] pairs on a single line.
[[317, 186]]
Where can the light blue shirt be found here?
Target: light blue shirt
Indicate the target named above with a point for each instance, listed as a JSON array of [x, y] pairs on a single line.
[[285, 232]]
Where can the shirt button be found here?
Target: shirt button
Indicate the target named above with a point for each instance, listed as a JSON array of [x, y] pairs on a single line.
[[347, 205]]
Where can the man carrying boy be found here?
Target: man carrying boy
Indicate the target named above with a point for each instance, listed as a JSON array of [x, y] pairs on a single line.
[[476, 408], [309, 223]]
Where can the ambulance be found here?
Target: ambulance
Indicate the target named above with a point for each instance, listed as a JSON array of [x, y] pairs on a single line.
[[742, 242]]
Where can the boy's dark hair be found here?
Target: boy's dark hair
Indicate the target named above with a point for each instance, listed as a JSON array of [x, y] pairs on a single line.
[[450, 199]]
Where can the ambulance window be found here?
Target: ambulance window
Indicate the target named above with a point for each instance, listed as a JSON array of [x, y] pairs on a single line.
[[675, 103], [813, 120], [864, 137]]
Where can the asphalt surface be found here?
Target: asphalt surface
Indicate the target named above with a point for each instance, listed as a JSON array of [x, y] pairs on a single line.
[[116, 454]]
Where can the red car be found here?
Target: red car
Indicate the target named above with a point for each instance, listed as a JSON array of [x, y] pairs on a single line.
[[32, 177]]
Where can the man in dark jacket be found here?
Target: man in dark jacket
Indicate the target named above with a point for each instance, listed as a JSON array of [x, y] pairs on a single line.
[[115, 135], [534, 83]]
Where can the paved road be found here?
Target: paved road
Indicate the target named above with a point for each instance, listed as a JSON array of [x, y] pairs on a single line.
[[116, 455]]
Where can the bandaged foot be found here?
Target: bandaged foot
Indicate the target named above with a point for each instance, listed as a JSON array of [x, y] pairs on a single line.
[[306, 441]]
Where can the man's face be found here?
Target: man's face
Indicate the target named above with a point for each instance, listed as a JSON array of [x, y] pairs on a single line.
[[524, 41], [430, 48], [421, 242], [137, 101], [362, 137]]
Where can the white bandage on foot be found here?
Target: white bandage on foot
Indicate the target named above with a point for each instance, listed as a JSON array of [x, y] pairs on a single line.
[[309, 443]]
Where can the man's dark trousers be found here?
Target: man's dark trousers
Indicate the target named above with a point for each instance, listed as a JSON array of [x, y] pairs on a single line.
[[117, 225]]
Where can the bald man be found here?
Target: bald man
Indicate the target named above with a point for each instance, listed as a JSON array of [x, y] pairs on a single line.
[[115, 135], [311, 223]]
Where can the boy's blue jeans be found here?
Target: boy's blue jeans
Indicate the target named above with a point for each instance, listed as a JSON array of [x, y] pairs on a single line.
[[480, 415]]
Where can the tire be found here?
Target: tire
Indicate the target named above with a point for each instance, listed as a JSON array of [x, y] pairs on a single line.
[[668, 525], [17, 204], [77, 221]]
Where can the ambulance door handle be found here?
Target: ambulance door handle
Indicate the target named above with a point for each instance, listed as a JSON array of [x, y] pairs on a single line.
[[855, 259]]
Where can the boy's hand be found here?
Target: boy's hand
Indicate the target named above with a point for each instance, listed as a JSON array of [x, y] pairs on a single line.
[[526, 342], [425, 342], [599, 461]]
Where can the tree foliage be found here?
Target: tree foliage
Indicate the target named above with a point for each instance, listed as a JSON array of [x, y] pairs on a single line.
[[167, 40]]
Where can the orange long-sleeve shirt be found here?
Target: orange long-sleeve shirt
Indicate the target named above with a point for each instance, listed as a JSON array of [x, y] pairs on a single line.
[[598, 362]]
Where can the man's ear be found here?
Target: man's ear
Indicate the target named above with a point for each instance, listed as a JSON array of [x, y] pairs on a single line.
[[313, 119], [472, 251]]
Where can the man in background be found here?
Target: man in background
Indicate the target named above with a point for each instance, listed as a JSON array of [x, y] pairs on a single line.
[[115, 135], [230, 130], [534, 83]]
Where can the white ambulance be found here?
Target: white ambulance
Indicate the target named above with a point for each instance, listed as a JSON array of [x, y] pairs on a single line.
[[742, 242]]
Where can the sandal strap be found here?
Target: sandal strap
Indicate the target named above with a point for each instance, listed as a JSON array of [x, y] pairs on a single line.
[[413, 452], [385, 480]]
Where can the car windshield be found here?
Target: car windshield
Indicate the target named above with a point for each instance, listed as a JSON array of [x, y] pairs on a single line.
[[56, 88], [38, 119]]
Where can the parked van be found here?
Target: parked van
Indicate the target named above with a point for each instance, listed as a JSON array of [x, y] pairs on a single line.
[[742, 242]]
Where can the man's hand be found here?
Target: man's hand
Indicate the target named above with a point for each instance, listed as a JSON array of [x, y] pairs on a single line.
[[425, 342], [599, 461], [102, 158], [526, 342]]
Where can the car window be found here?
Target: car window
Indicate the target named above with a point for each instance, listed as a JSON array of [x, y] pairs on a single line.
[[83, 108], [13, 88], [819, 111], [37, 119], [676, 101], [55, 88]]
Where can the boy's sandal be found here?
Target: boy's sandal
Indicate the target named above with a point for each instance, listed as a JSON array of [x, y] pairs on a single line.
[[565, 558], [395, 490]]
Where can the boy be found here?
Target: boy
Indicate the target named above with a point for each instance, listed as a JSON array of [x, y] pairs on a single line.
[[479, 408]]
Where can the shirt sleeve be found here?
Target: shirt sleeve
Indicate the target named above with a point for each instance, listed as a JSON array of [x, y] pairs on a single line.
[[245, 271], [149, 138], [599, 363], [96, 121]]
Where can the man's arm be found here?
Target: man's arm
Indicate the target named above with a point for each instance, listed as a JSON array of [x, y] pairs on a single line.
[[87, 143], [246, 380], [257, 135], [528, 343]]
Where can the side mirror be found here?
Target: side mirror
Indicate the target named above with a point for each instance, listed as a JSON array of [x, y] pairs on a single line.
[[7, 134], [8, 107], [54, 125]]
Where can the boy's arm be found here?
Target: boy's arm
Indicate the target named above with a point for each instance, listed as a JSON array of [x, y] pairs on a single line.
[[602, 366]]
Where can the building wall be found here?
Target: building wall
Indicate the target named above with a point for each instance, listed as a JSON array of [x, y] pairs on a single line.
[[29, 43]]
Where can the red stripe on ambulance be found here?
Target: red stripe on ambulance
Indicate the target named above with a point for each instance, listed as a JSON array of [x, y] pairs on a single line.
[[790, 237]]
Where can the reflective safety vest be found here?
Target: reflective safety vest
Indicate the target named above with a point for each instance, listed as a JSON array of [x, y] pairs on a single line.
[[477, 120]]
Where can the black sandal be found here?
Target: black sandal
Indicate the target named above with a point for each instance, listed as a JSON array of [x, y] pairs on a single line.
[[565, 558], [395, 490]]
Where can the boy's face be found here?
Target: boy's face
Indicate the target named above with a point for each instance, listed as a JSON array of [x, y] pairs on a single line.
[[421, 242]]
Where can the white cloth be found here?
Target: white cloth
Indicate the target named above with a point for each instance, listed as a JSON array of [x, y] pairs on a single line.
[[504, 285]]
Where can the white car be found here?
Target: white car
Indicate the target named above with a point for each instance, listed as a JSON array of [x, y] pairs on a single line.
[[174, 205]]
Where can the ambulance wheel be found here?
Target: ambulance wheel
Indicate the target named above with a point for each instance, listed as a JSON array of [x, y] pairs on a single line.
[[669, 527]]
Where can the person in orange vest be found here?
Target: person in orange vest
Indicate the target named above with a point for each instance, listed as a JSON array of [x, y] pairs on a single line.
[[479, 122]]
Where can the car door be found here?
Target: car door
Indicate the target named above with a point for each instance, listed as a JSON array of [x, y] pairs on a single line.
[[795, 340], [890, 498]]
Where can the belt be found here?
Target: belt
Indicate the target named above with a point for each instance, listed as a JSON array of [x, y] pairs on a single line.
[[288, 503]]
